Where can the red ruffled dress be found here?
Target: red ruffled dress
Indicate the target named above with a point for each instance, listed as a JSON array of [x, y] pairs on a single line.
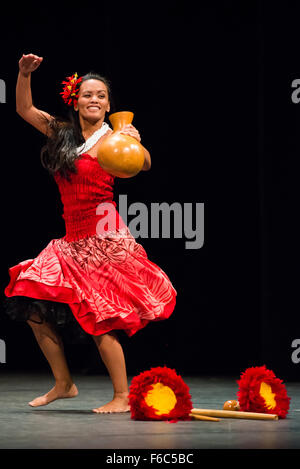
[[101, 274]]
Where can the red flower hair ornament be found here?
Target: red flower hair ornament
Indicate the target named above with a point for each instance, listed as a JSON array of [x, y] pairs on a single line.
[[159, 394], [70, 90], [260, 391]]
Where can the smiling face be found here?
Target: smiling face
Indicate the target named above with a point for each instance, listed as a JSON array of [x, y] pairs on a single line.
[[93, 100]]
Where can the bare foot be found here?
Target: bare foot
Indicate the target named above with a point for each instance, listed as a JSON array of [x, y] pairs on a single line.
[[118, 404], [55, 393]]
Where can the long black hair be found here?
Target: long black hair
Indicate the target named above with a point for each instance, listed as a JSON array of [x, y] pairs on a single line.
[[64, 136]]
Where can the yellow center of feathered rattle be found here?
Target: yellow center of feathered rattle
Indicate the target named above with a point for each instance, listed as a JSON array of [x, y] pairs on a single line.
[[162, 398], [269, 397]]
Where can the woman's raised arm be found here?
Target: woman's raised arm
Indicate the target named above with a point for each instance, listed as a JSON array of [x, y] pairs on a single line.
[[24, 106]]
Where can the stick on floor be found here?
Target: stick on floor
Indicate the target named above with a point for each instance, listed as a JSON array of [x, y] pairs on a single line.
[[234, 414]]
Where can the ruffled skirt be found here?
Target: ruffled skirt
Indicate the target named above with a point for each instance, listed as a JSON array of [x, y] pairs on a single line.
[[104, 283]]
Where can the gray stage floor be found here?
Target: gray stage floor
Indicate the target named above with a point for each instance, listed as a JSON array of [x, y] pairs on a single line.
[[70, 423]]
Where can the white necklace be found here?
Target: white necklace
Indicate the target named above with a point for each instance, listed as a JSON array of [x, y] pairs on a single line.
[[93, 139]]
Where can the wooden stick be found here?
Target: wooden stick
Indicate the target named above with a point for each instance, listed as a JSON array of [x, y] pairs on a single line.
[[234, 414], [204, 417]]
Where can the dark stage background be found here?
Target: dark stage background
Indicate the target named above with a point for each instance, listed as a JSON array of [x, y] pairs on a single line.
[[211, 92]]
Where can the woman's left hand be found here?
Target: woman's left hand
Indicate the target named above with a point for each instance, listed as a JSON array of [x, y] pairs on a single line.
[[131, 131]]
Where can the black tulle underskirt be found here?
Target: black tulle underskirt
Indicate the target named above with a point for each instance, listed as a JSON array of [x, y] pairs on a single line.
[[59, 315]]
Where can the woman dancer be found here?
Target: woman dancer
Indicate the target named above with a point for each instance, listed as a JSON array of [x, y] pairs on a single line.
[[102, 279]]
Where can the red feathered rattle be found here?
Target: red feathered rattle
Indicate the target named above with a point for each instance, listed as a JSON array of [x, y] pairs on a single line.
[[260, 391], [159, 394]]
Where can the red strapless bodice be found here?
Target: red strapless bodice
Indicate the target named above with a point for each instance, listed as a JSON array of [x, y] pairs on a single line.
[[81, 196]]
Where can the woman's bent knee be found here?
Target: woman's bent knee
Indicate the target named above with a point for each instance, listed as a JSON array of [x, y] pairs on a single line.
[[105, 336], [34, 320], [43, 329]]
